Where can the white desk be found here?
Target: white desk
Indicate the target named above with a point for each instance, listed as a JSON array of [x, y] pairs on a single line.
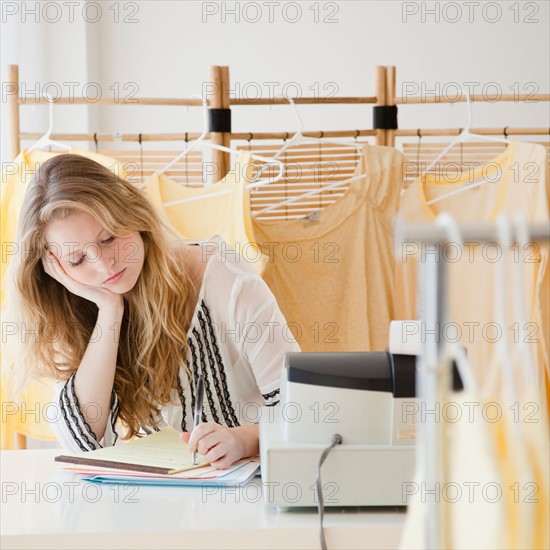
[[44, 506]]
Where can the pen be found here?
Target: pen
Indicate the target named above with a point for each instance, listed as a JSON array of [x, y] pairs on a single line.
[[199, 392]]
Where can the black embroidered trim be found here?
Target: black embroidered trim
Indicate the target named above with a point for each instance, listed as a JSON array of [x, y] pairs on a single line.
[[81, 415], [271, 394], [212, 369], [193, 371], [156, 428], [114, 414], [202, 363], [272, 404], [67, 421], [207, 387], [215, 373], [219, 363], [183, 408]]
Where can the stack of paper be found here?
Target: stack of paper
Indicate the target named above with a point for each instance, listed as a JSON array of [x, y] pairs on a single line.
[[161, 458]]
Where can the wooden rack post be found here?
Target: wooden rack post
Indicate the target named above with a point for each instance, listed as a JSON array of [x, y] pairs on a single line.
[[20, 440], [380, 92], [13, 110], [219, 76], [390, 100]]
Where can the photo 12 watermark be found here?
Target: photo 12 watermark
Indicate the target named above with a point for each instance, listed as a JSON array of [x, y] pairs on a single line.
[[290, 492], [470, 12], [470, 492], [89, 91], [51, 412], [417, 333], [67, 491], [470, 412], [473, 173], [270, 90], [52, 12], [270, 12], [470, 252]]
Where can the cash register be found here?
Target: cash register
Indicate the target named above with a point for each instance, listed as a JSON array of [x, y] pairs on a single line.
[[365, 398]]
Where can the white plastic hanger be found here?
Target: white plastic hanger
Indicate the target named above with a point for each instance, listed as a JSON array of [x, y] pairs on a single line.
[[201, 142], [45, 140], [464, 136], [194, 144], [456, 351], [528, 372], [500, 364], [298, 138]]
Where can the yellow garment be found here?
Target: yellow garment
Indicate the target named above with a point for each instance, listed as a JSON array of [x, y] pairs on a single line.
[[478, 517], [474, 517], [536, 435], [528, 415], [227, 215], [518, 481], [332, 274], [518, 184], [16, 176]]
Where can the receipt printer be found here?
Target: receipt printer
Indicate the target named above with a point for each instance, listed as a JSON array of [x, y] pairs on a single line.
[[368, 398]]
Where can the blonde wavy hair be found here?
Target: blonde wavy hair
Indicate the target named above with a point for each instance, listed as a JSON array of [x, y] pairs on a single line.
[[153, 340]]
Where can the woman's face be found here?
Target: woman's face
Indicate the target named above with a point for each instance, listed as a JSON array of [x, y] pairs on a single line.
[[92, 256]]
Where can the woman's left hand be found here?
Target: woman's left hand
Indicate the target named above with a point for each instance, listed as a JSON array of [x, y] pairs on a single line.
[[220, 445]]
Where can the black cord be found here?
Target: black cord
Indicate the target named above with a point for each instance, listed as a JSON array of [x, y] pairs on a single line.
[[336, 440]]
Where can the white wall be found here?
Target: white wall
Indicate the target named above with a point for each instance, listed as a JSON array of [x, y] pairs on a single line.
[[164, 48]]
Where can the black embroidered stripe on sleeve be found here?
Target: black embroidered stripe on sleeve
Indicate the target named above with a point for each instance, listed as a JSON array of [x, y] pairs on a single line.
[[114, 414], [193, 370], [202, 362], [215, 377], [271, 394], [67, 421], [273, 404], [183, 408], [156, 428], [208, 390], [76, 414], [72, 421], [212, 369], [91, 433], [220, 364]]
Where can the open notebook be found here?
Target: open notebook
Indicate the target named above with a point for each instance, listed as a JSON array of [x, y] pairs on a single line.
[[161, 452]]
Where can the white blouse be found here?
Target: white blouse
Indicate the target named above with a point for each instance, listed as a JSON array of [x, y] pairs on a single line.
[[237, 340]]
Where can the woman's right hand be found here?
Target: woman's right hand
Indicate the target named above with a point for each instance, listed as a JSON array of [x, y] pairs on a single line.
[[101, 297]]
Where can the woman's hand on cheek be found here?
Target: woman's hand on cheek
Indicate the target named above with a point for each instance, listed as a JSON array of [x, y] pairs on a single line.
[[102, 297], [220, 445]]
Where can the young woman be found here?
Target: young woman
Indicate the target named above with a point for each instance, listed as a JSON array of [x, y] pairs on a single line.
[[128, 313]]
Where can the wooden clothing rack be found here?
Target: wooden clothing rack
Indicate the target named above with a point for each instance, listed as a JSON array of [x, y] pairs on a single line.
[[142, 161], [327, 165]]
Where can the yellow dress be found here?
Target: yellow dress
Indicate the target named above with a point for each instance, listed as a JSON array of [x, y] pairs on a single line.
[[333, 275], [468, 497], [517, 184], [227, 215], [30, 416]]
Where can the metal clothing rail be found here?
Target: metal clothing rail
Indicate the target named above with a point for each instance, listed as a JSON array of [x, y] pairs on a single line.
[[434, 368]]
